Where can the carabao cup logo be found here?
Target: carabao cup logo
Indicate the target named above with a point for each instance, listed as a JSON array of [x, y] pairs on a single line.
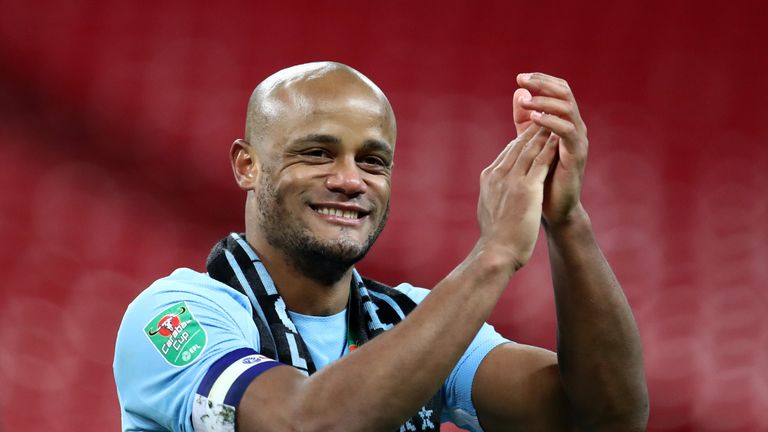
[[177, 335]]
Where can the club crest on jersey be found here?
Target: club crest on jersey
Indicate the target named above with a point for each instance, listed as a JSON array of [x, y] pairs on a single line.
[[177, 335]]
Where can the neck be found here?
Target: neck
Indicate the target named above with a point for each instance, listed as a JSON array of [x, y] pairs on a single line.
[[301, 293]]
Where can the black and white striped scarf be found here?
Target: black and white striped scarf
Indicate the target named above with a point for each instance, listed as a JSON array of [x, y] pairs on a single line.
[[373, 309]]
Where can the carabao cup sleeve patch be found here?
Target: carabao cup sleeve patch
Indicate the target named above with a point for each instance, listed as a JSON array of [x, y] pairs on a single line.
[[222, 388], [177, 335]]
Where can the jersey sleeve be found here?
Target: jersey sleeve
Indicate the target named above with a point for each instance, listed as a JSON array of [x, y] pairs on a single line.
[[457, 389], [186, 351]]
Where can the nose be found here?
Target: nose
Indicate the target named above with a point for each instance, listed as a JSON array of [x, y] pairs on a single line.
[[346, 178]]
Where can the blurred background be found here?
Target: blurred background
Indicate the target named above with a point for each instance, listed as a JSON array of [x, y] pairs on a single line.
[[116, 118]]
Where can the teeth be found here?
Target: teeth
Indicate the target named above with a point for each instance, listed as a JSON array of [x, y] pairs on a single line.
[[346, 214]]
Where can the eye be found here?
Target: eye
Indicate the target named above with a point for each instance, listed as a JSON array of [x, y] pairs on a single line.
[[316, 153], [375, 161]]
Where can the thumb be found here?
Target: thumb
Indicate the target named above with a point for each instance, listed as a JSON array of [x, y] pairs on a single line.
[[521, 116]]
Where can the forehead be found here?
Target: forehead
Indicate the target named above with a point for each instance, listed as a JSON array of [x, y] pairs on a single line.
[[336, 101]]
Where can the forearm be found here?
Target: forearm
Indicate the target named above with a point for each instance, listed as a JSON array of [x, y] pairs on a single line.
[[599, 349], [395, 373]]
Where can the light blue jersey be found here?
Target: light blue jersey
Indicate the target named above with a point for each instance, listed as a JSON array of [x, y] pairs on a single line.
[[187, 349]]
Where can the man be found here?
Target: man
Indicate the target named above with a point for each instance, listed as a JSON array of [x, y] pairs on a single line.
[[282, 333]]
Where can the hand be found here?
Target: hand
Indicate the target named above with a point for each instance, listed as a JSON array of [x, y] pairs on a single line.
[[511, 193], [553, 106]]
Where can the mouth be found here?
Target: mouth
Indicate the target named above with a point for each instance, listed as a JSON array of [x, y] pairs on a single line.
[[350, 213]]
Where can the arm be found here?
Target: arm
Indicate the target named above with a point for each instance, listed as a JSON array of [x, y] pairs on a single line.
[[597, 380], [390, 377], [599, 351]]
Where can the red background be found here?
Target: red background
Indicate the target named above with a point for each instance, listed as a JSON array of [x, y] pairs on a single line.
[[116, 118]]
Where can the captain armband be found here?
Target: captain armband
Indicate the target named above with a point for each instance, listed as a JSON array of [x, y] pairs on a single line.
[[222, 388]]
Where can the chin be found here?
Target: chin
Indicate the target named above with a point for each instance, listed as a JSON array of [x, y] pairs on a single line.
[[326, 261], [342, 238], [344, 249]]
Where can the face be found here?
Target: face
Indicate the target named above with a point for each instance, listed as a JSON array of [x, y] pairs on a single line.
[[323, 194]]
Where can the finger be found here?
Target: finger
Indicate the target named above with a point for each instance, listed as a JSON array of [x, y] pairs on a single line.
[[543, 76], [559, 126], [552, 105], [520, 114], [545, 85], [542, 163], [513, 148], [529, 152], [565, 109]]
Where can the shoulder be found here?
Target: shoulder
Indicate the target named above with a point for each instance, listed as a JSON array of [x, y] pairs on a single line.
[[394, 303], [185, 284], [403, 289], [170, 335], [414, 293], [201, 298], [188, 282]]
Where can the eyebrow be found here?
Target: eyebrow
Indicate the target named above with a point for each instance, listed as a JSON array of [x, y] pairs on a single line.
[[319, 138], [370, 144]]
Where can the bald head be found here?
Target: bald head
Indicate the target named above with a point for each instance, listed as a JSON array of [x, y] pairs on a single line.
[[307, 89]]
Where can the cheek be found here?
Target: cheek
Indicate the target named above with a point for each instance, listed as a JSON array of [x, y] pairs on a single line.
[[292, 183], [381, 186]]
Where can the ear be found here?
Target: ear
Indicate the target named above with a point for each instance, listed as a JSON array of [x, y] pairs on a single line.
[[245, 165], [521, 115]]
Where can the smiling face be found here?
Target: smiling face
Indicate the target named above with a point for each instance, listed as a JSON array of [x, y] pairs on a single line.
[[325, 144]]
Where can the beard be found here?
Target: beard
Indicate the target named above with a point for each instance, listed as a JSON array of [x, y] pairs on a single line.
[[323, 261]]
